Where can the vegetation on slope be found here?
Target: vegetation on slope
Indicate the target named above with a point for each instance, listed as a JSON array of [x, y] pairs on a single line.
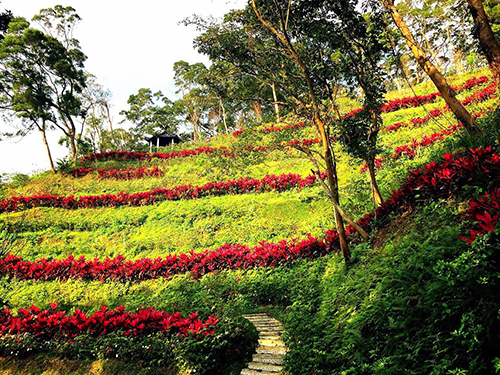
[[416, 299]]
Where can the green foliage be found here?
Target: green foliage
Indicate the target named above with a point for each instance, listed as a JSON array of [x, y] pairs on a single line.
[[427, 305], [416, 298], [209, 355], [151, 113]]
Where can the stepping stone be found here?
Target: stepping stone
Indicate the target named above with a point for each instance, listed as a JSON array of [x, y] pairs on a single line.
[[268, 359], [271, 350], [272, 359]]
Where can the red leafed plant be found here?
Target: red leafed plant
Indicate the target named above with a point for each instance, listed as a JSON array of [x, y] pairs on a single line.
[[484, 214], [49, 324]]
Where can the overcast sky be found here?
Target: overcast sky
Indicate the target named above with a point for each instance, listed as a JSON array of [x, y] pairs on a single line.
[[129, 45]]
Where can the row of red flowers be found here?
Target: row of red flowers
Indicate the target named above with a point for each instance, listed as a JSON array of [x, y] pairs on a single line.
[[488, 92], [241, 186], [50, 324], [433, 181], [120, 174]]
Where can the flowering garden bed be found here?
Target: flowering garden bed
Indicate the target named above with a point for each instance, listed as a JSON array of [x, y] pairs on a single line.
[[150, 335], [480, 167]]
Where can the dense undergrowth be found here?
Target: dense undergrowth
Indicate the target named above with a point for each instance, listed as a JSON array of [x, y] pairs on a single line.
[[418, 298]]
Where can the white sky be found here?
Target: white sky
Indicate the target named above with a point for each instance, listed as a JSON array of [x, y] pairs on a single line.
[[129, 45]]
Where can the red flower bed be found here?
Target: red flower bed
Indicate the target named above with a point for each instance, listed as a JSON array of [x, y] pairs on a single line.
[[130, 173], [50, 324], [128, 155], [484, 213], [241, 186], [433, 181], [120, 174]]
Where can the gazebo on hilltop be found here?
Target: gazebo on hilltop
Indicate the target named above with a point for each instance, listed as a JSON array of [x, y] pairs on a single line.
[[162, 140]]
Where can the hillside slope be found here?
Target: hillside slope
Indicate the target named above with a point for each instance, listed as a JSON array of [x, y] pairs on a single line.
[[223, 228]]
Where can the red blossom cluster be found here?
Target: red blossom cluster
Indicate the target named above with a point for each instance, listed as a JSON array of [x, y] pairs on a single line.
[[50, 324], [480, 96], [241, 186], [82, 171], [484, 212], [410, 150], [228, 256], [433, 181], [378, 165], [477, 97], [470, 83]]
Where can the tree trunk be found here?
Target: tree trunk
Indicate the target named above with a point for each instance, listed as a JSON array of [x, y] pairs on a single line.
[[488, 44], [44, 137], [434, 74], [377, 197], [276, 105], [258, 110], [223, 115], [117, 144]]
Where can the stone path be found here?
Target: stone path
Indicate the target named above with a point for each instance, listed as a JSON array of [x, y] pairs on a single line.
[[269, 357]]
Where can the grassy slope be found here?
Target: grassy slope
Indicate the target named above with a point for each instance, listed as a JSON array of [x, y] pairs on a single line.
[[334, 316]]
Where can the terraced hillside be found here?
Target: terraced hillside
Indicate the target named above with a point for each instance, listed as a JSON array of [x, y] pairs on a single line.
[[146, 263]]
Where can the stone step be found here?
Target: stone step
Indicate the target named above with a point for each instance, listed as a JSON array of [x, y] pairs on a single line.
[[275, 343], [247, 371], [270, 333], [267, 324], [273, 338], [263, 349], [267, 327], [254, 315], [273, 359], [261, 319], [264, 367]]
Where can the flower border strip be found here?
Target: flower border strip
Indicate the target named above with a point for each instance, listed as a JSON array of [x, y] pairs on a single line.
[[50, 324]]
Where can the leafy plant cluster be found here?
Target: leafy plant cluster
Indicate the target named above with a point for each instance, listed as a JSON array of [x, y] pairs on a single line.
[[206, 347]]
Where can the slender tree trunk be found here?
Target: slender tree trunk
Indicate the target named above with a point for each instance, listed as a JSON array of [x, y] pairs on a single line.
[[44, 137], [488, 44], [108, 112], [457, 58], [258, 110], [434, 74], [377, 197], [223, 115], [329, 160], [276, 105]]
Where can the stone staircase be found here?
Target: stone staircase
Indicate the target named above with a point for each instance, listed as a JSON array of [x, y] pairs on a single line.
[[268, 359]]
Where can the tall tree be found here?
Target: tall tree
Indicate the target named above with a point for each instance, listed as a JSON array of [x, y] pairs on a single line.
[[150, 112], [430, 69], [329, 42], [41, 79], [488, 44]]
